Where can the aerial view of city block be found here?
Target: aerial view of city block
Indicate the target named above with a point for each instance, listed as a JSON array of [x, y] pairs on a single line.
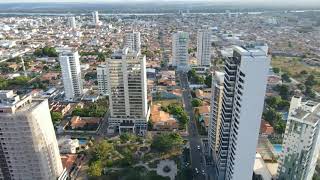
[[159, 90]]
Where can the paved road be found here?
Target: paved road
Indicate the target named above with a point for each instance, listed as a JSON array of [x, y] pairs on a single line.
[[197, 158]]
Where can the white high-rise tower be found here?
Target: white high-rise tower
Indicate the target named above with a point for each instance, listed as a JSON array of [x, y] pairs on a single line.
[[95, 18], [204, 48], [102, 77], [180, 56], [132, 41], [242, 105], [127, 86], [28, 144], [72, 22], [215, 115], [301, 141], [71, 73]]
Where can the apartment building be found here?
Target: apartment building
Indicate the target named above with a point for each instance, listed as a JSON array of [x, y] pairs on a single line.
[[301, 141], [180, 41], [242, 105], [28, 148], [204, 47], [102, 79], [127, 86]]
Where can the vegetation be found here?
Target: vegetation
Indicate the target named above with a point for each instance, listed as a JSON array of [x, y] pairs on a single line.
[[167, 142], [208, 81], [285, 77], [196, 102], [195, 78], [97, 109], [275, 119], [101, 153], [283, 91], [56, 117], [17, 81], [125, 137], [178, 112], [46, 52]]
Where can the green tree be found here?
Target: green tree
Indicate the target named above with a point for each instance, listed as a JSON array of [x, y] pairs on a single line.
[[208, 81], [125, 137], [166, 142], [276, 70], [283, 91], [310, 81], [196, 102], [285, 77], [95, 168], [56, 117]]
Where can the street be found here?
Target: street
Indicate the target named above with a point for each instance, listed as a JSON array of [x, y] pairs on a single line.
[[197, 157]]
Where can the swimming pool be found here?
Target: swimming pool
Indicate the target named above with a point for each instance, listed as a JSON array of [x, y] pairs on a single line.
[[277, 148], [82, 141]]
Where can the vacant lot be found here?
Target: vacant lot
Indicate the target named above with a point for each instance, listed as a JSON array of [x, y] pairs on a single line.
[[294, 67]]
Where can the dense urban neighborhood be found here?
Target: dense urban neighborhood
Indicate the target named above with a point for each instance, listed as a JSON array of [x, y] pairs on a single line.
[[160, 96]]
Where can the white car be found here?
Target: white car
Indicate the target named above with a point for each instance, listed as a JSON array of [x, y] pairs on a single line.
[[197, 171], [198, 147], [203, 172]]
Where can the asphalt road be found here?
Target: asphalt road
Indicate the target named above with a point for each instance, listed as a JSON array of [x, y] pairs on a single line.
[[197, 158]]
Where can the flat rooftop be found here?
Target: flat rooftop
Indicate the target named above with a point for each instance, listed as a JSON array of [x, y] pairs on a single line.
[[311, 116], [249, 51]]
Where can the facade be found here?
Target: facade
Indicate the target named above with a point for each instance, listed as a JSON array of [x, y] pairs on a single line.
[[95, 18], [71, 73], [72, 22], [133, 41], [301, 141], [28, 148], [180, 41], [215, 114], [102, 79], [204, 48], [242, 105], [127, 86]]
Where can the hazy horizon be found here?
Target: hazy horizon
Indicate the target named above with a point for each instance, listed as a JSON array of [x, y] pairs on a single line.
[[270, 2]]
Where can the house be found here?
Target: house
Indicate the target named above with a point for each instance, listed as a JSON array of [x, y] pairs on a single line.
[[68, 145], [203, 94], [59, 107], [84, 123], [265, 128], [162, 120], [203, 114]]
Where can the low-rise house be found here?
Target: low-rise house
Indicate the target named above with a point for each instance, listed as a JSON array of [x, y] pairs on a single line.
[[68, 145], [59, 107], [83, 123], [162, 120], [265, 128]]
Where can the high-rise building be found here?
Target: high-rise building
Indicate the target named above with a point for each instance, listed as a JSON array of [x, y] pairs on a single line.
[[127, 86], [28, 144], [132, 41], [72, 22], [215, 115], [204, 48], [71, 73], [102, 77], [300, 149], [180, 56], [95, 18], [242, 105]]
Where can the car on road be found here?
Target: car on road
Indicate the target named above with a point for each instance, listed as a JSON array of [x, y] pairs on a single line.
[[198, 147], [196, 170], [203, 173]]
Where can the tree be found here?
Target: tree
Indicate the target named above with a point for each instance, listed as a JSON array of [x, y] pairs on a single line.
[[276, 70], [95, 168], [56, 117], [196, 102], [310, 81], [102, 149], [125, 137], [309, 92], [208, 81], [285, 77], [283, 91], [166, 142]]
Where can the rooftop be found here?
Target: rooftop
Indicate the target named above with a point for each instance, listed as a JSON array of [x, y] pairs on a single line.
[[308, 111]]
